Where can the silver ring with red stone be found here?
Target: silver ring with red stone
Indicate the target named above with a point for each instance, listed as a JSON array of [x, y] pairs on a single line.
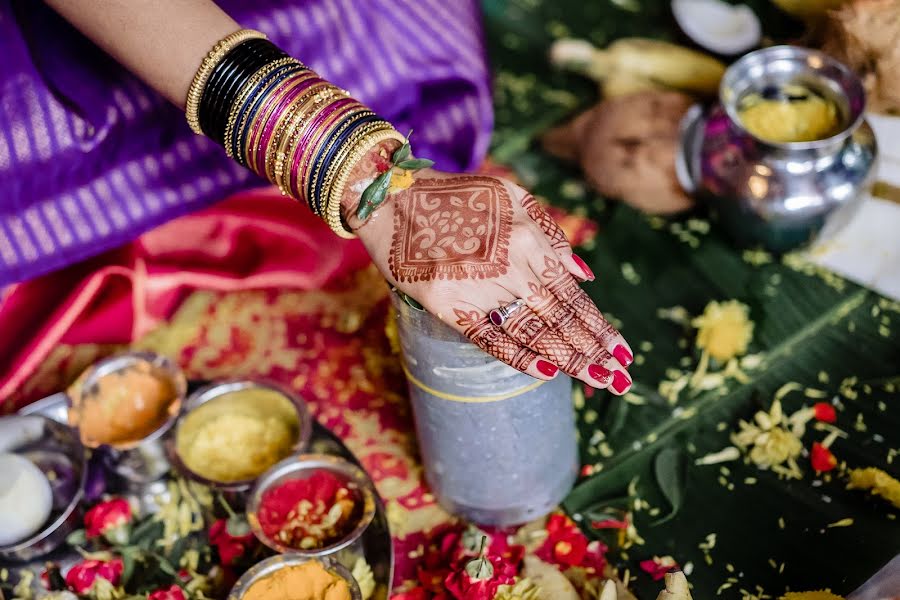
[[499, 316]]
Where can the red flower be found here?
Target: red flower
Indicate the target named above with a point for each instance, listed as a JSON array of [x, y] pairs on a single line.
[[595, 558], [230, 547], [173, 592], [416, 593], [106, 517], [587, 470], [462, 586], [609, 524], [657, 567], [565, 545], [825, 412], [81, 577], [821, 458]]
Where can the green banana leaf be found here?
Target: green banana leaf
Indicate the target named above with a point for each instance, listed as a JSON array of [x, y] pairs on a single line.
[[811, 327]]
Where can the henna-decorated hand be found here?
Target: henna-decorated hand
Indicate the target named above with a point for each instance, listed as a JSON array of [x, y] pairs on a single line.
[[463, 245]]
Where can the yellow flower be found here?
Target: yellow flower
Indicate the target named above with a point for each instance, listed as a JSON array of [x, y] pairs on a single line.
[[181, 510], [400, 180], [876, 480], [775, 447], [770, 444], [362, 573], [724, 329], [815, 595]]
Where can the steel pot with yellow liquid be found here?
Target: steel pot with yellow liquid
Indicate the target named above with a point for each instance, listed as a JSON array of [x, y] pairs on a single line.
[[786, 154], [498, 446]]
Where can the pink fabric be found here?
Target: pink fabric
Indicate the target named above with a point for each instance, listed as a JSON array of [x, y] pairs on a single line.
[[257, 239]]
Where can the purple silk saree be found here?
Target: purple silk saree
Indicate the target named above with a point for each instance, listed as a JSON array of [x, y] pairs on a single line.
[[90, 157]]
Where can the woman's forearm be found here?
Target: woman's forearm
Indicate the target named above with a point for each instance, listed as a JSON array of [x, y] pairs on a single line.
[[160, 41]]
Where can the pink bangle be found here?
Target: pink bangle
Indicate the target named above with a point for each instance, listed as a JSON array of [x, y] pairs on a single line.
[[306, 146], [265, 136]]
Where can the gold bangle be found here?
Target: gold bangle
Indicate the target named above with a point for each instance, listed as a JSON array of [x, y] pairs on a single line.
[[292, 131], [333, 167], [293, 150], [213, 57], [354, 116], [335, 170], [306, 153], [292, 117], [264, 114], [363, 147], [350, 144], [242, 96]]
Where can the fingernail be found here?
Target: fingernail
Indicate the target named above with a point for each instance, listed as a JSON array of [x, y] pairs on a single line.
[[620, 381], [623, 355], [547, 368], [587, 270], [599, 373]]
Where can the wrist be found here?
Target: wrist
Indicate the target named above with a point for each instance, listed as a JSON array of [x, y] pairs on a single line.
[[373, 164]]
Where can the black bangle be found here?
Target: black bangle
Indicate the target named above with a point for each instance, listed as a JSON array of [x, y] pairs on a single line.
[[234, 81], [209, 97], [226, 80]]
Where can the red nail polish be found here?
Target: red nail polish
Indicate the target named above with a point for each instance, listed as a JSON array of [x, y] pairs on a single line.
[[599, 373], [623, 355], [546, 368], [587, 270], [620, 381]]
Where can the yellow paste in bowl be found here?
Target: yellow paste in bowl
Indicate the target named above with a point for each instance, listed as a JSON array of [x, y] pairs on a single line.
[[794, 114], [309, 581], [238, 435]]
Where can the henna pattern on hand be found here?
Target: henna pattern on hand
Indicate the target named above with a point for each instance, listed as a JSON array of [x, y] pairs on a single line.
[[562, 301], [554, 232], [494, 340], [529, 330], [454, 228]]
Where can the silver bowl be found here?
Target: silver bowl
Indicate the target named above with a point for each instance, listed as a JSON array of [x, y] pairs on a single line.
[[235, 489], [779, 195], [300, 467], [141, 461], [274, 563], [53, 447]]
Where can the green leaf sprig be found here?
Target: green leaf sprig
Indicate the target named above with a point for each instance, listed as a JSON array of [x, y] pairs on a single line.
[[376, 193]]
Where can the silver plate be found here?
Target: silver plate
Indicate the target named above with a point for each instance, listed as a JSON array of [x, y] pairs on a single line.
[[376, 541]]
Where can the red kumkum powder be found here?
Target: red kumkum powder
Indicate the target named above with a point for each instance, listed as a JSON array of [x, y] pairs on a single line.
[[310, 513]]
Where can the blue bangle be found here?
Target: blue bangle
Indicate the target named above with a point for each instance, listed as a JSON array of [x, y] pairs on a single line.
[[331, 148]]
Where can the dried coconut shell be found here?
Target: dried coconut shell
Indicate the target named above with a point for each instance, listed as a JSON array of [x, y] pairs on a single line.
[[865, 35], [627, 147]]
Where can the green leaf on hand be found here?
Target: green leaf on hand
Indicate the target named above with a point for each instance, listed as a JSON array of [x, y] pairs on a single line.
[[401, 153], [670, 468], [415, 164], [374, 195]]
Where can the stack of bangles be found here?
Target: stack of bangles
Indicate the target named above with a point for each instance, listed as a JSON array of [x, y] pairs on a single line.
[[280, 119]]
